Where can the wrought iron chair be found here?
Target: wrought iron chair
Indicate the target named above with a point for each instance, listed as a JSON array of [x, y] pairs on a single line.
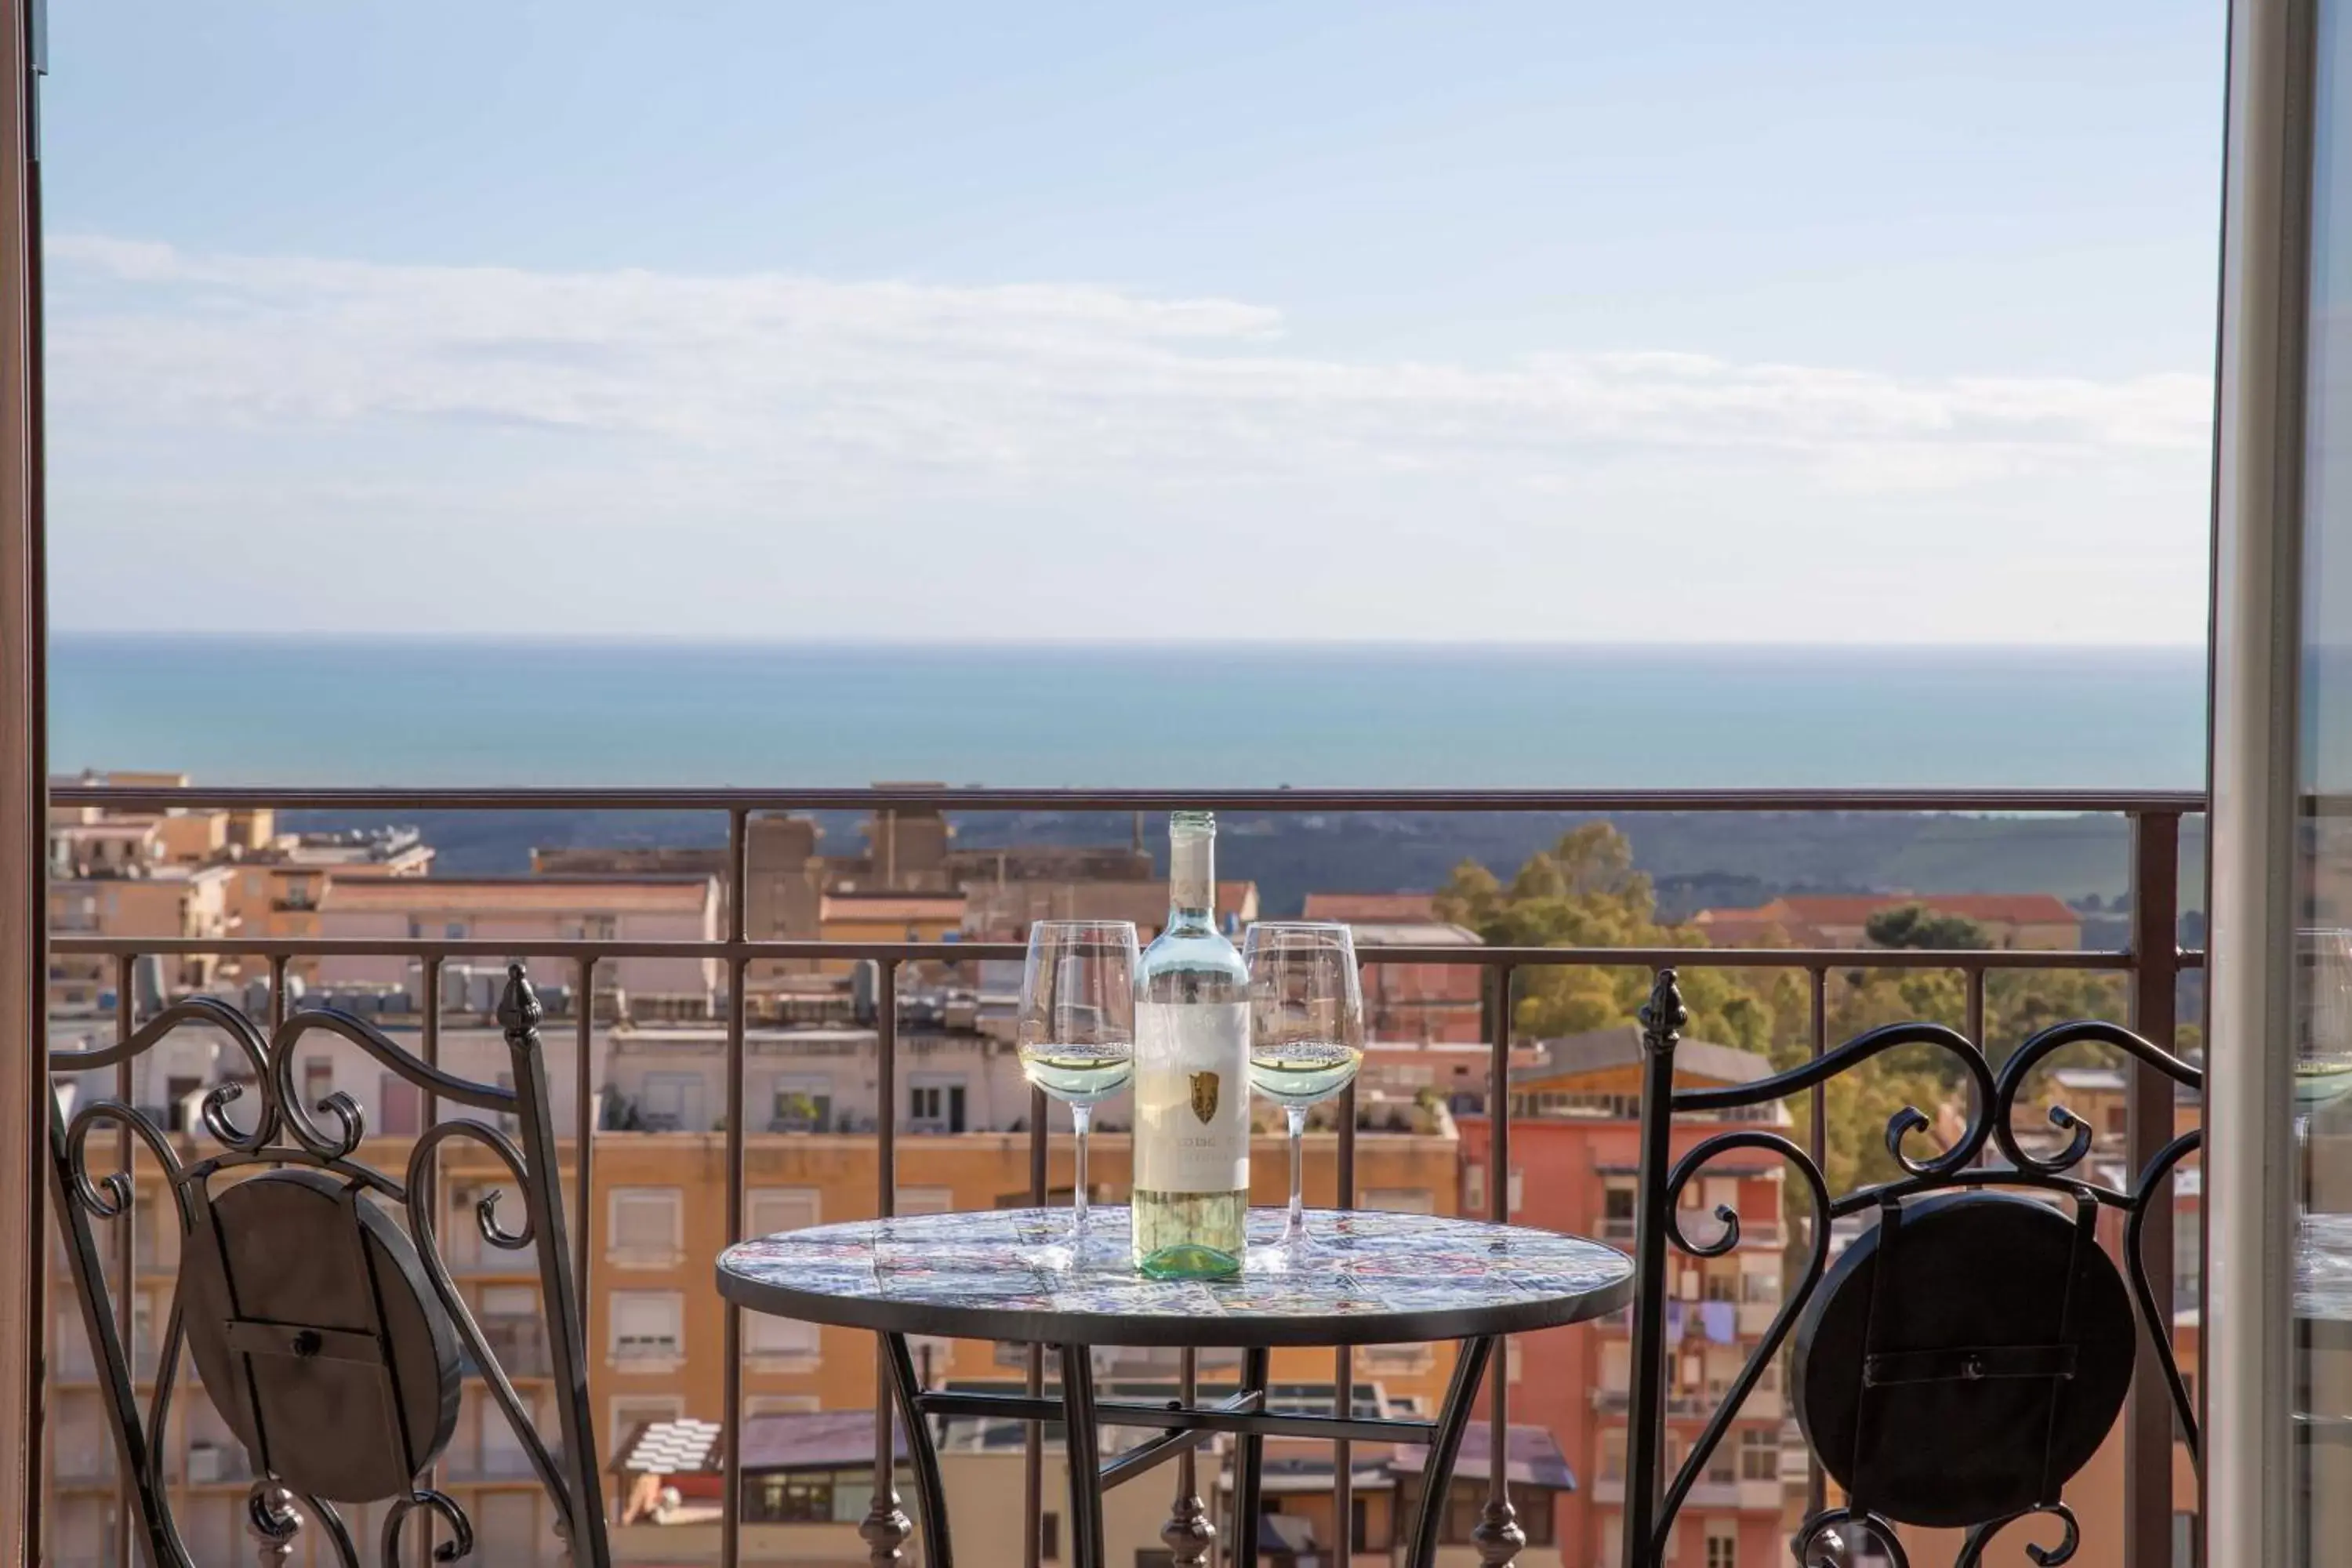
[[332, 1341], [1958, 1363]]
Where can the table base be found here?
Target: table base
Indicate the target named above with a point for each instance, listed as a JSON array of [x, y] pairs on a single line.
[[1184, 1428]]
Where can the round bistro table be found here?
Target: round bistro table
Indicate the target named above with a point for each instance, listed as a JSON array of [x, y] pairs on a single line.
[[1365, 1278]]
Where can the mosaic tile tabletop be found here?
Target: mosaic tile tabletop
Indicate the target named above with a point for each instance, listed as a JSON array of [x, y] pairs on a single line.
[[1365, 1278]]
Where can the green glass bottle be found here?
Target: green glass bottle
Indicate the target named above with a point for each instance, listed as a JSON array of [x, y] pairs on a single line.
[[1192, 1076]]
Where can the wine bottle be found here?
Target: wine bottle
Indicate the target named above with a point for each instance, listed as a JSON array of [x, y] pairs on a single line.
[[1192, 1076]]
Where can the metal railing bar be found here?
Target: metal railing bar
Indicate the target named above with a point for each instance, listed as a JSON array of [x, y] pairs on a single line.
[[885, 1528], [1817, 1150], [973, 952], [1498, 1523], [730, 1332], [126, 1233], [1343, 1360], [1033, 1452], [2070, 802], [429, 1047], [583, 1138], [730, 1524]]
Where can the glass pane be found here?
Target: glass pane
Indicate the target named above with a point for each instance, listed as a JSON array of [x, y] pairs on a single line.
[[2320, 1392]]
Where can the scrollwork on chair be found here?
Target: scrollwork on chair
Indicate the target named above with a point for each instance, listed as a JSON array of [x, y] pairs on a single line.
[[216, 1220], [1655, 1500]]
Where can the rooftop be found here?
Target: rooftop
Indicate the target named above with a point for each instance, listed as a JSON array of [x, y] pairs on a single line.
[[1432, 934], [1372, 908], [550, 895], [1598, 1050]]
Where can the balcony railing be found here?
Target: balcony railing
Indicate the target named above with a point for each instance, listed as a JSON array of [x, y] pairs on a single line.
[[2152, 963]]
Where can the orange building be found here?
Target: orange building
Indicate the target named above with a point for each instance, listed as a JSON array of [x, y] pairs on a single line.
[[1574, 1160]]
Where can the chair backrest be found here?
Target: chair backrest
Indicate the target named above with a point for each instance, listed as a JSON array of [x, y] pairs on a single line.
[[328, 1332], [1963, 1357]]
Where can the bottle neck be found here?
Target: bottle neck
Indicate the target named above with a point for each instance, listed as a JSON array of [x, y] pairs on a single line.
[[1191, 881]]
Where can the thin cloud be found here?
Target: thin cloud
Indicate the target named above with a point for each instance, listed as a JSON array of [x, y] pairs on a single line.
[[809, 375], [977, 446]]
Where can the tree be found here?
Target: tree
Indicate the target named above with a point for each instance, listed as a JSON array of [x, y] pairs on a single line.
[[1584, 893], [1916, 926]]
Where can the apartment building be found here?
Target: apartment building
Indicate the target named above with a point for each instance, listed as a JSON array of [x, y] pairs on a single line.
[[1428, 1003], [1574, 1158], [205, 873], [525, 909]]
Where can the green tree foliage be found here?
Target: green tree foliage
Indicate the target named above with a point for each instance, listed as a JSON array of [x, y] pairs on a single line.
[[1583, 892], [1914, 926]]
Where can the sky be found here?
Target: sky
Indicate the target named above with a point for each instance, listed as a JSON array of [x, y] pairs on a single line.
[[1836, 322]]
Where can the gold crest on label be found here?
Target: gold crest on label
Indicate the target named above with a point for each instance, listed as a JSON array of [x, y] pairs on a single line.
[[1204, 1097]]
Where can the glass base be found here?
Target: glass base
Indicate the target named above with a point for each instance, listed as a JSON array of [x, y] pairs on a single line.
[[1191, 1261]]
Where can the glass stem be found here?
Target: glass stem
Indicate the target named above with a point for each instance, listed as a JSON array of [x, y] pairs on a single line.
[[1079, 1116], [1295, 1230]]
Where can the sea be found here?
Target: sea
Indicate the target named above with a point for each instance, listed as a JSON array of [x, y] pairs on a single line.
[[318, 711]]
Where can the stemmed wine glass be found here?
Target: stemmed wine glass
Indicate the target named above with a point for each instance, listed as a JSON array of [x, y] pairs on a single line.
[[1307, 1030], [2323, 1067], [1077, 1026]]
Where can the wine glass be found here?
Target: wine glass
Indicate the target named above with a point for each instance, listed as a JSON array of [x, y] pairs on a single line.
[[1307, 1031], [1077, 1026], [2323, 1067]]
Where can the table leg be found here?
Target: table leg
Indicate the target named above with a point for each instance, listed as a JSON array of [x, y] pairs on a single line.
[[1082, 1442], [1249, 1467], [1446, 1446], [931, 1496]]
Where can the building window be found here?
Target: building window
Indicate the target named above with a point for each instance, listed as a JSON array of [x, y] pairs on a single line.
[[1049, 1537], [1517, 1187], [1759, 1456], [936, 1107], [779, 1339], [781, 1404], [672, 1103], [648, 1228], [1474, 1190], [1613, 1454], [769, 1211], [1617, 1210], [788, 1500], [1722, 1548], [646, 1325], [1759, 1289], [1720, 1287], [800, 1103], [926, 1200], [1514, 1359]]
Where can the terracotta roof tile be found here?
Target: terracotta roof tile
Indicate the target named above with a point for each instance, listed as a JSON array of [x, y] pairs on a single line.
[[1372, 908]]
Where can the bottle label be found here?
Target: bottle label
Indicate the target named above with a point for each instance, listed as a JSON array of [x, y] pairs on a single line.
[[1191, 1097]]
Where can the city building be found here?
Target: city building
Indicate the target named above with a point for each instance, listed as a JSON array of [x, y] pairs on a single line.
[[2040, 921], [1574, 1157], [524, 910], [1429, 1003]]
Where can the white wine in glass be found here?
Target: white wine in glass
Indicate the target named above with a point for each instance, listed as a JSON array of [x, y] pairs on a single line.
[[1077, 1035], [1307, 1032]]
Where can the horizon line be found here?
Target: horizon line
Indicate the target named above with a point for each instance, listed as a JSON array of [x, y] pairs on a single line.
[[915, 643]]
